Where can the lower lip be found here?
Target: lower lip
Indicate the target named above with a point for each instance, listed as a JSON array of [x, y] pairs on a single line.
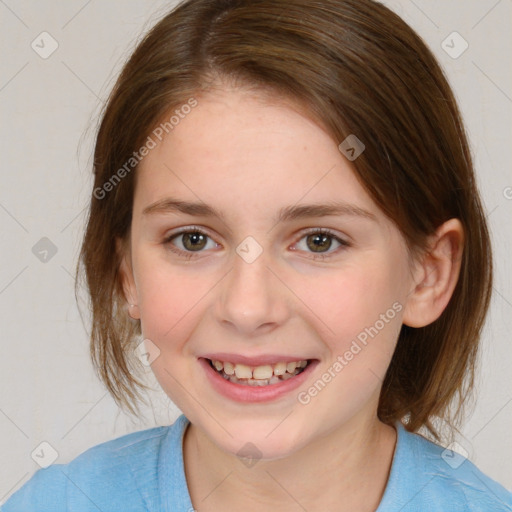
[[246, 393]]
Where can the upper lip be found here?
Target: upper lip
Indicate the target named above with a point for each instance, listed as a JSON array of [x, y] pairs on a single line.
[[260, 360]]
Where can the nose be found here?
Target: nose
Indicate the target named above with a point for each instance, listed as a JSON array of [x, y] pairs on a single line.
[[253, 299]]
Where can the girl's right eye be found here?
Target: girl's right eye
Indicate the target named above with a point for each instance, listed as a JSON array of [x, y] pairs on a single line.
[[192, 239]]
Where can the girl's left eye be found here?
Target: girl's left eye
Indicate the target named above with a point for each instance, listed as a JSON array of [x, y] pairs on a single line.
[[194, 240], [319, 239]]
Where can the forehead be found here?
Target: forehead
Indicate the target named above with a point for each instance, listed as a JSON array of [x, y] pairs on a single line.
[[236, 148]]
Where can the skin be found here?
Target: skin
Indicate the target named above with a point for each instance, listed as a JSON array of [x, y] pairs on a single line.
[[248, 157]]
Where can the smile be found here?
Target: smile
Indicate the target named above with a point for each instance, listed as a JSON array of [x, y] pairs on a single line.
[[263, 375], [268, 381]]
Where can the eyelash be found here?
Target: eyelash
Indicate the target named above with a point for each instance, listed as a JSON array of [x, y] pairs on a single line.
[[195, 229]]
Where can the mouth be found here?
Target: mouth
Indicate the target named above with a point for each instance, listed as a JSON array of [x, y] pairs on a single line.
[[258, 379], [263, 375]]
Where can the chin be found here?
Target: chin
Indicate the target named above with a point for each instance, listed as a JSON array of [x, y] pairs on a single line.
[[258, 443]]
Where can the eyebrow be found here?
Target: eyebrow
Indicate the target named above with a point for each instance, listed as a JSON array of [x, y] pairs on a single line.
[[288, 213]]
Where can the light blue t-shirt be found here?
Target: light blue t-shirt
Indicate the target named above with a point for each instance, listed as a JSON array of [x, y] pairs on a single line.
[[144, 471]]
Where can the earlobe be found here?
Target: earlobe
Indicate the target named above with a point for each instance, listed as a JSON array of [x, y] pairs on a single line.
[[133, 311], [435, 275], [127, 280]]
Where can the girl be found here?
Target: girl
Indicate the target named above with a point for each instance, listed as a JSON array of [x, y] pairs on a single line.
[[285, 213]]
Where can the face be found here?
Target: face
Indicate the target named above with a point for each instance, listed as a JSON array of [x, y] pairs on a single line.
[[266, 281]]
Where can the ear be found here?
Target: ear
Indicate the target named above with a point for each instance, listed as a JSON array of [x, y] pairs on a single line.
[[126, 276], [435, 275]]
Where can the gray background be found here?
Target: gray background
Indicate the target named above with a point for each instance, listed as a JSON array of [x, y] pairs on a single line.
[[49, 110]]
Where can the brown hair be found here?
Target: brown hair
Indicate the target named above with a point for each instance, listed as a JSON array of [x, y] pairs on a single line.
[[358, 69]]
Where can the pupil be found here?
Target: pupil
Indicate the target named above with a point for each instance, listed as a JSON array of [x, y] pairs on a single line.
[[322, 239], [193, 238]]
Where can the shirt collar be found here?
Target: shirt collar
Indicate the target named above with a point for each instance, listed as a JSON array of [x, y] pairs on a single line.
[[173, 486], [172, 482]]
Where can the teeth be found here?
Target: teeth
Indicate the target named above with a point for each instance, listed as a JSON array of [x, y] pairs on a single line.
[[242, 371], [257, 382], [229, 369], [263, 372], [280, 369], [259, 375], [290, 367]]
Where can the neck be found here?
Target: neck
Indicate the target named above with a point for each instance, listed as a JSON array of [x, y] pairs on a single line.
[[351, 476]]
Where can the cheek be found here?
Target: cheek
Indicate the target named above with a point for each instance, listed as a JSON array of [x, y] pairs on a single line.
[[169, 302], [171, 308], [360, 311], [348, 302], [362, 318]]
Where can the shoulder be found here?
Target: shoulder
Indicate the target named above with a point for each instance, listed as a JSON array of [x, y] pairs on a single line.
[[111, 456], [120, 474], [444, 479]]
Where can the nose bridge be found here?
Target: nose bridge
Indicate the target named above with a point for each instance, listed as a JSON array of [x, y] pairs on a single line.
[[252, 296]]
